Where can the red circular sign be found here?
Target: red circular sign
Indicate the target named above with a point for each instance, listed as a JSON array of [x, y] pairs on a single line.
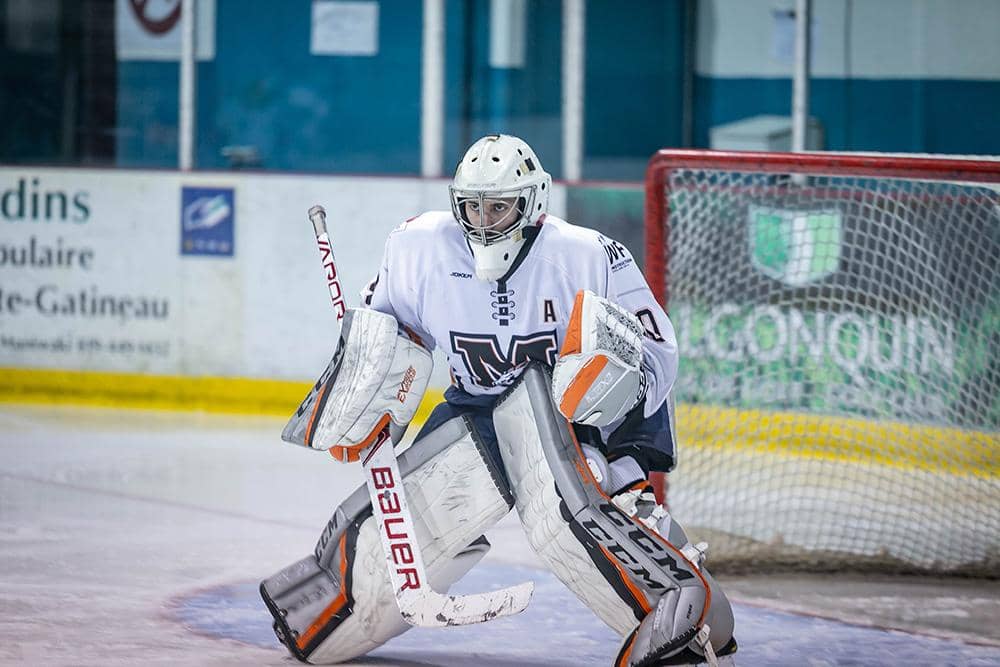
[[156, 25]]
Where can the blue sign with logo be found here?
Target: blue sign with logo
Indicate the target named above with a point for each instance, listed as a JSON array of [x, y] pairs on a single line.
[[208, 217]]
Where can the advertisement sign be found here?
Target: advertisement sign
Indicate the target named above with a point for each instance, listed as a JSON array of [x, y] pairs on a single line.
[[207, 221], [863, 307], [828, 362], [795, 247], [344, 28], [151, 29], [81, 276], [146, 272]]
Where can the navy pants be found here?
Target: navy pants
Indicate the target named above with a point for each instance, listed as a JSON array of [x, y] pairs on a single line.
[[647, 439]]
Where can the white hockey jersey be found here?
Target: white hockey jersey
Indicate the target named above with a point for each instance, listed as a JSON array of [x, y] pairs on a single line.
[[488, 331]]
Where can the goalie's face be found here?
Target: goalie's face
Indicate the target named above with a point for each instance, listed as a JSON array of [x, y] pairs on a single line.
[[488, 218], [497, 215]]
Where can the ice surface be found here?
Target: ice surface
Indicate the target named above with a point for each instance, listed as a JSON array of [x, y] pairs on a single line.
[[140, 537]]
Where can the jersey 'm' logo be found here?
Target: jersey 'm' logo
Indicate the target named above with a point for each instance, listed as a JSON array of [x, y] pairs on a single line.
[[489, 366]]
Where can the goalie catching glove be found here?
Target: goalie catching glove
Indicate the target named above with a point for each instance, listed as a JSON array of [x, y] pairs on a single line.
[[598, 377]]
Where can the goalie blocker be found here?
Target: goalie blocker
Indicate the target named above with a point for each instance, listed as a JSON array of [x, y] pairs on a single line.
[[376, 379]]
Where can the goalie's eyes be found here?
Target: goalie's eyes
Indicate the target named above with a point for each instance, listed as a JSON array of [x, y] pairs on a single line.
[[492, 207]]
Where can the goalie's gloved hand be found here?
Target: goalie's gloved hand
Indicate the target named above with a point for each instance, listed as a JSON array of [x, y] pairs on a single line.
[[375, 382], [598, 377], [632, 492]]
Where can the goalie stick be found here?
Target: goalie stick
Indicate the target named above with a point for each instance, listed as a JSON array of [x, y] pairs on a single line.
[[418, 603]]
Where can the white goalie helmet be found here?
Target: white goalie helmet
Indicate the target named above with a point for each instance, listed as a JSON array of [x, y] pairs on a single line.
[[499, 189]]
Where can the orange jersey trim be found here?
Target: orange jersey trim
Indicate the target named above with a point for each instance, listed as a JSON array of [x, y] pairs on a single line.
[[572, 344]]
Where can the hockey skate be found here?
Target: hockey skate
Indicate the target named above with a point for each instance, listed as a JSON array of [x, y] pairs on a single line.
[[640, 503]]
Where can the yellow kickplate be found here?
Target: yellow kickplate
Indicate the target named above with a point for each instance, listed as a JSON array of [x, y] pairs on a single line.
[[166, 392], [895, 444]]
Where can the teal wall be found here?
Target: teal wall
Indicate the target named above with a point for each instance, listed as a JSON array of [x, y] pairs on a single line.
[[29, 123], [886, 75], [634, 77], [894, 115], [632, 83], [362, 114], [302, 112], [480, 99]]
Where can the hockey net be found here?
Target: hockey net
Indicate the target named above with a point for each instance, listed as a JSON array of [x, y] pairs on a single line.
[[838, 318]]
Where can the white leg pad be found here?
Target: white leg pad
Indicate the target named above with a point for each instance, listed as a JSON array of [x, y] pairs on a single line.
[[619, 567], [338, 604], [548, 533]]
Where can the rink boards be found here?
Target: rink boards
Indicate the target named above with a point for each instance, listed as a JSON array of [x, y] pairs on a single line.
[[709, 428], [204, 291]]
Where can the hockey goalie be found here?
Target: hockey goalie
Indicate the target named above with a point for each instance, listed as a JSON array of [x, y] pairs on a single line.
[[562, 365]]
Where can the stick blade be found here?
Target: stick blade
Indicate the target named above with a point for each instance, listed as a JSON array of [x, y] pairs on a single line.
[[429, 609]]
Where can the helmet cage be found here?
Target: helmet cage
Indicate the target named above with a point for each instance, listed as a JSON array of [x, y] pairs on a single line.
[[522, 202]]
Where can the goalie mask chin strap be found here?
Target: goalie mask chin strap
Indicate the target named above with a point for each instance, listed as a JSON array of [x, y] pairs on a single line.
[[498, 261], [492, 261]]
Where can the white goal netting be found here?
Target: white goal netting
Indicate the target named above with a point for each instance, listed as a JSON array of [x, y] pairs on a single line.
[[838, 319]]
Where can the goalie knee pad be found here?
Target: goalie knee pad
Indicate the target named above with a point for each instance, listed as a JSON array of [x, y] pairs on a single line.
[[633, 578], [337, 603]]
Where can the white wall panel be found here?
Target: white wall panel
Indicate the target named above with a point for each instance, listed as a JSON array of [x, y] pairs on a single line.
[[263, 312]]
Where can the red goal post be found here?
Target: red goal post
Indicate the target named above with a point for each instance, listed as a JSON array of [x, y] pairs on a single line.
[[837, 317]]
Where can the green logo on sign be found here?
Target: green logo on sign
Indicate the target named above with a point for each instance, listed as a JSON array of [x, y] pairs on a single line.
[[795, 247]]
